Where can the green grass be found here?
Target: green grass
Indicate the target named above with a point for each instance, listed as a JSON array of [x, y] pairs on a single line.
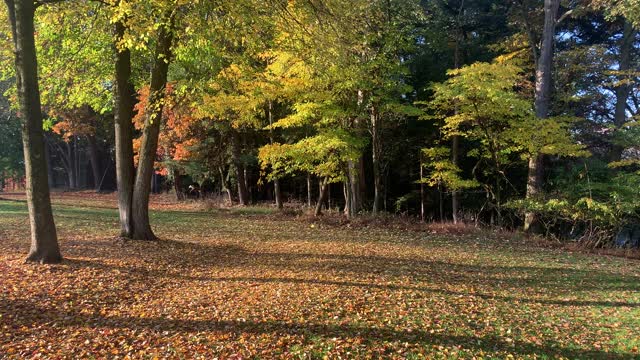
[[256, 284]]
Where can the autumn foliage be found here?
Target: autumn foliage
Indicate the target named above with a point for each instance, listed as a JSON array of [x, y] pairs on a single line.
[[179, 128]]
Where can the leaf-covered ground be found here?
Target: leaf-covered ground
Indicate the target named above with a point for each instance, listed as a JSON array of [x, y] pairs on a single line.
[[253, 284]]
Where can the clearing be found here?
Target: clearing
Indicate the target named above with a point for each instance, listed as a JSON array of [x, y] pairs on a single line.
[[250, 283]]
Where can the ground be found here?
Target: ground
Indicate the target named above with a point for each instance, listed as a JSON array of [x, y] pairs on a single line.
[[250, 283]]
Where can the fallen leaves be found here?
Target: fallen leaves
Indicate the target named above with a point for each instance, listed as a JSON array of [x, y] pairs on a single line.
[[238, 287]]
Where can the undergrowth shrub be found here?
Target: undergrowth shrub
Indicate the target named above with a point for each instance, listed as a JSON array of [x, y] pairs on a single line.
[[591, 203]]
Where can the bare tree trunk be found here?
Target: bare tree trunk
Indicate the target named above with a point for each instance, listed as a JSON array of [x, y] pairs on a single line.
[[94, 157], [624, 89], [321, 197], [44, 240], [236, 153], [542, 103], [125, 97], [149, 144]]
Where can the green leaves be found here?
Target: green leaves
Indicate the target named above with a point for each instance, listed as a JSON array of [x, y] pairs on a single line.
[[74, 56], [480, 102], [442, 171], [324, 155]]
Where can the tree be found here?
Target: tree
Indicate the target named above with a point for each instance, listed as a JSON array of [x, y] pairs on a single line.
[[629, 9], [325, 155], [150, 133], [124, 100], [131, 20], [543, 59], [44, 241], [11, 156], [624, 84], [374, 41], [489, 111]]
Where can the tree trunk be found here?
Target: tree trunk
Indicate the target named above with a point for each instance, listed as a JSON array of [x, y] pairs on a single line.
[[224, 182], [455, 147], [542, 103], [422, 194], [309, 190], [71, 168], [355, 204], [276, 182], [247, 178], [455, 140], [177, 185], [498, 199], [47, 155], [441, 202], [125, 98], [321, 197], [278, 193], [346, 189], [624, 89], [236, 153], [44, 240], [328, 199], [94, 157], [149, 144], [534, 186], [376, 154], [362, 184]]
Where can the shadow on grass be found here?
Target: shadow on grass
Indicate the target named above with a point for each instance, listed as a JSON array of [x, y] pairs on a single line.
[[43, 315], [176, 260]]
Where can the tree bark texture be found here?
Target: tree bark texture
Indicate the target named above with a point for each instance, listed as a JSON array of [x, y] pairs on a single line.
[[125, 97], [542, 103], [44, 240], [150, 133]]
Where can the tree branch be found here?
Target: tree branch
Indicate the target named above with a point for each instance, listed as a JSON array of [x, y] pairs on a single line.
[[564, 16], [39, 3]]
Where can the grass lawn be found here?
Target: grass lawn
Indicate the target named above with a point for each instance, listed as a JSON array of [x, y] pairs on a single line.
[[254, 284]]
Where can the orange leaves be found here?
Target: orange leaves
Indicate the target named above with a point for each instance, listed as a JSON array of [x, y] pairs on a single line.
[[182, 150], [177, 131], [76, 122]]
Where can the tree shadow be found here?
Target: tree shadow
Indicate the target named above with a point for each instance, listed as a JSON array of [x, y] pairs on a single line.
[[179, 260], [42, 315]]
